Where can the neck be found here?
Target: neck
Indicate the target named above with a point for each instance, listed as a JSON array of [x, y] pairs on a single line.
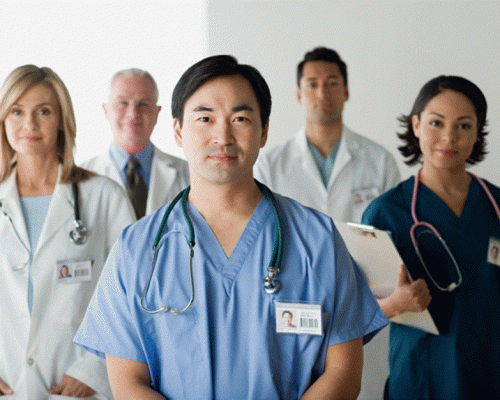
[[451, 186], [445, 180], [324, 136], [36, 175], [213, 200]]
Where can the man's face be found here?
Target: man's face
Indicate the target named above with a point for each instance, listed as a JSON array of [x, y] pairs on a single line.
[[221, 132], [322, 92], [287, 319], [132, 112]]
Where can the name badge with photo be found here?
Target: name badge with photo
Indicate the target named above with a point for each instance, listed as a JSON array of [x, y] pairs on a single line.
[[494, 251], [298, 318], [71, 271], [364, 196]]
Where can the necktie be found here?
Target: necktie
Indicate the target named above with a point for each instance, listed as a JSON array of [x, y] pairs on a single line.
[[136, 188]]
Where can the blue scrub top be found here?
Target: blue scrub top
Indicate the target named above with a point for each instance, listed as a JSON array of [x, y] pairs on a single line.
[[226, 344], [463, 362]]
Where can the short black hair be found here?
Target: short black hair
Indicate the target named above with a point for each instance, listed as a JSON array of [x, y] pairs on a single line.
[[322, 54], [286, 312], [214, 67], [411, 147]]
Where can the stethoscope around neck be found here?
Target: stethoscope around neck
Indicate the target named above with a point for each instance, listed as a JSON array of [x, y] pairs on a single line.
[[271, 284], [453, 285], [80, 233]]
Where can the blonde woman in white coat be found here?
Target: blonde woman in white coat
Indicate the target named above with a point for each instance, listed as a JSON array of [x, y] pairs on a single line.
[[47, 279]]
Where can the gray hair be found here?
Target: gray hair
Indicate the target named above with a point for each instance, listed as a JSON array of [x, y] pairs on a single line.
[[139, 73]]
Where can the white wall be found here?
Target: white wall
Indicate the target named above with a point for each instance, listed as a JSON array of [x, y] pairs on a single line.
[[391, 47], [86, 42]]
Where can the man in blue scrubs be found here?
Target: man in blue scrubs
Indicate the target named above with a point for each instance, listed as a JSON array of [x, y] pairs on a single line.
[[231, 342]]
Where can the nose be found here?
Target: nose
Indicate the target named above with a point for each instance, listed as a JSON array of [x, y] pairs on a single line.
[[450, 133], [30, 121], [132, 109], [320, 92], [223, 134]]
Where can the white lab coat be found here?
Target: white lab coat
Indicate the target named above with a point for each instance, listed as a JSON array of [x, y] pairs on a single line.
[[37, 351], [362, 171], [169, 175]]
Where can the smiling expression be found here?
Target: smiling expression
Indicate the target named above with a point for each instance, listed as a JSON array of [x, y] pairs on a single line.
[[221, 132], [132, 112], [34, 122], [447, 130]]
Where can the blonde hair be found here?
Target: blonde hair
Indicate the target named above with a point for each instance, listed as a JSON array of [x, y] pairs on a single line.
[[14, 86]]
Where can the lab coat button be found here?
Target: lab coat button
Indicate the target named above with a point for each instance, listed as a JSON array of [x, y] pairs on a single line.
[[30, 361]]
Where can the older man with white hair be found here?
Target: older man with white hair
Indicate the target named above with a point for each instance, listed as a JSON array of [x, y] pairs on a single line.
[[151, 177]]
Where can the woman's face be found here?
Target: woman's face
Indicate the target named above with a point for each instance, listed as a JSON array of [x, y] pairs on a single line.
[[33, 122], [447, 130]]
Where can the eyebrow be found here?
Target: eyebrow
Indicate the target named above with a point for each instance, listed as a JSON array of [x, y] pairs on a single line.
[[36, 105], [242, 107], [459, 118], [313, 78]]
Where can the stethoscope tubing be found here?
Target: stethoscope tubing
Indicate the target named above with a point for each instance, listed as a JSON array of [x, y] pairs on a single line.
[[417, 224], [271, 284]]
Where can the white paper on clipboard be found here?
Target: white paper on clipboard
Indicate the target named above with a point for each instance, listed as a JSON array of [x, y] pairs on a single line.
[[378, 258]]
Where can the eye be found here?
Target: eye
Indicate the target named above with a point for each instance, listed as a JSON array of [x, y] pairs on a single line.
[[436, 123], [333, 83], [143, 104], [241, 119], [465, 126], [15, 111], [44, 111], [312, 85], [204, 119]]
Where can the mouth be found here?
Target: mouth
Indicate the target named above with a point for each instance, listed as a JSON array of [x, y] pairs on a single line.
[[447, 152], [222, 157]]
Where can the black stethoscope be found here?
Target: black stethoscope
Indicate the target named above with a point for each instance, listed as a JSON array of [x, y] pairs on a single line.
[[80, 233], [271, 285], [453, 285]]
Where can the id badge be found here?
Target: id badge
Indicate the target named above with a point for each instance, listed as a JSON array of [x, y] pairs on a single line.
[[72, 271], [298, 318], [494, 251]]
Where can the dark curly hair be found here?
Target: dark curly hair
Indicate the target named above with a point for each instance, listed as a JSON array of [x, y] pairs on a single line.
[[411, 148]]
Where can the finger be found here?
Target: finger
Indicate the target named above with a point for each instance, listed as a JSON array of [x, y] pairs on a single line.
[[4, 389], [57, 389], [403, 278]]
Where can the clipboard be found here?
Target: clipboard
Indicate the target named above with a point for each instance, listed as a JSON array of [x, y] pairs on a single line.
[[379, 260]]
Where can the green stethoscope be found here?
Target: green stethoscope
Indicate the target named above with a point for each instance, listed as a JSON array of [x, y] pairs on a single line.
[[271, 285]]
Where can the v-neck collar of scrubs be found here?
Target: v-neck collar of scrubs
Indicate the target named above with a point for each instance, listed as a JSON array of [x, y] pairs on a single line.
[[446, 214], [212, 249]]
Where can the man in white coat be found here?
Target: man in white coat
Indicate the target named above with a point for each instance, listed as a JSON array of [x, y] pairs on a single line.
[[327, 166], [132, 112]]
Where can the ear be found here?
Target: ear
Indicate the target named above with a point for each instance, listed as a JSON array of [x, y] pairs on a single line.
[[299, 96], [263, 138], [178, 132], [105, 108], [346, 93], [415, 124]]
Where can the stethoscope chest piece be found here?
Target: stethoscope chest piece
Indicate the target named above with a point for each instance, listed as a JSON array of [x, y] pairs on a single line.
[[80, 234]]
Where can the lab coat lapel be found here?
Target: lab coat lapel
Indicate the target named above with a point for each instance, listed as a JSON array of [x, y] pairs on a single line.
[[160, 184], [110, 169], [11, 217], [60, 211], [343, 156], [308, 162]]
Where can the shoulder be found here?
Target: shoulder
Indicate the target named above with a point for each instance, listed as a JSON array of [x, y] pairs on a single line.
[[282, 151], [97, 161], [169, 158], [363, 144], [390, 204], [301, 218], [99, 186]]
